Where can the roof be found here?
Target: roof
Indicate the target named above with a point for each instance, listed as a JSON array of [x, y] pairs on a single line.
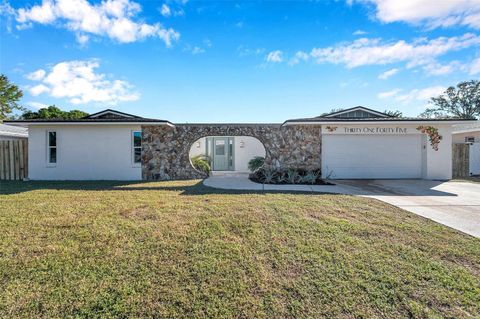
[[466, 128], [377, 117], [13, 131], [354, 109], [107, 116], [114, 112]]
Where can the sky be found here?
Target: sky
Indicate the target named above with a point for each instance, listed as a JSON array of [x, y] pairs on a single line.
[[237, 61]]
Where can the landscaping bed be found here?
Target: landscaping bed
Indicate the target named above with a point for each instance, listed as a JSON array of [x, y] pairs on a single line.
[[288, 176]]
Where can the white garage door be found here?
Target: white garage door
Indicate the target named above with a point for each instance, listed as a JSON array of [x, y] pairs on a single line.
[[372, 156]]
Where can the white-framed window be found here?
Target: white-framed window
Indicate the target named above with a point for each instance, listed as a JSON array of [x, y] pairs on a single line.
[[52, 153], [136, 148]]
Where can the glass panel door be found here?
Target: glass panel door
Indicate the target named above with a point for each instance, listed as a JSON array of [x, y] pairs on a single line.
[[220, 154]]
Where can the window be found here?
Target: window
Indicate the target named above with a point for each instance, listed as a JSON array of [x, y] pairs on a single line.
[[52, 147], [219, 147], [137, 147], [469, 139]]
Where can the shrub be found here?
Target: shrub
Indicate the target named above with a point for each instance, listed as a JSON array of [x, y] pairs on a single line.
[[255, 163], [287, 176], [201, 164]]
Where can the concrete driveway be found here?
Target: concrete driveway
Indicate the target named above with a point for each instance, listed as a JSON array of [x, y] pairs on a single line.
[[454, 204]]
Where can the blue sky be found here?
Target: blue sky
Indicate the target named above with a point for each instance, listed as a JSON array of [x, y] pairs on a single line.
[[234, 61]]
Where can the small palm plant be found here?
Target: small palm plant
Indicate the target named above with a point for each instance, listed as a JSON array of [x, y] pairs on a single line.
[[269, 176], [255, 163], [311, 177], [292, 176]]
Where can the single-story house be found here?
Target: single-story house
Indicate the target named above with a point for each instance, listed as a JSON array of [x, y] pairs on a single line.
[[469, 134], [353, 143], [9, 133]]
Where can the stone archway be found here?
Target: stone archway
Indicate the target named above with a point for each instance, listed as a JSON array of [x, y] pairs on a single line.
[[165, 149]]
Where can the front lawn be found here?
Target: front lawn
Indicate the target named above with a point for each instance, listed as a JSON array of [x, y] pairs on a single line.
[[179, 249]]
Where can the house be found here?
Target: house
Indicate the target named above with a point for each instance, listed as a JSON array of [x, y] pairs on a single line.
[[469, 134], [353, 143], [9, 132]]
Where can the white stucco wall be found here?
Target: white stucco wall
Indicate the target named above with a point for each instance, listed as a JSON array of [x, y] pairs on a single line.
[[84, 152], [252, 147], [439, 163]]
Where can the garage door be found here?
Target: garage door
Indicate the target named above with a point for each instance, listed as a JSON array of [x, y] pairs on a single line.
[[372, 156]]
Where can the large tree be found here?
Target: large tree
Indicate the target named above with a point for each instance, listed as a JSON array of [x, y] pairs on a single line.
[[462, 101], [10, 94], [53, 112]]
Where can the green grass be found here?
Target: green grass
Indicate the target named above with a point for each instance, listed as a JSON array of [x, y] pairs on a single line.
[[179, 249]]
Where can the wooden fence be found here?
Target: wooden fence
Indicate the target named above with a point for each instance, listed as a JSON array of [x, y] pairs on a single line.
[[13, 159], [460, 160]]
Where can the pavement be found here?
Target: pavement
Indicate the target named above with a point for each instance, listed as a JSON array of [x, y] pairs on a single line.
[[454, 203]]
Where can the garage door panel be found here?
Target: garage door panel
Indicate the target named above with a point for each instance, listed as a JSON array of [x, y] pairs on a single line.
[[370, 156]]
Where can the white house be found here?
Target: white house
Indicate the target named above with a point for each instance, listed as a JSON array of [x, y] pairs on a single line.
[[355, 143]]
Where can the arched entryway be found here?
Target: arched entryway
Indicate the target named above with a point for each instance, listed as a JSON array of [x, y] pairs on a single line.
[[165, 150]]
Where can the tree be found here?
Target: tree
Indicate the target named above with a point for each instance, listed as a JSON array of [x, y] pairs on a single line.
[[53, 112], [395, 113], [462, 101], [10, 94]]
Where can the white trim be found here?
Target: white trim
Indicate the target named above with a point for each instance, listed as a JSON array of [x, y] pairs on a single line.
[[132, 147], [472, 130], [48, 147], [356, 109], [111, 112]]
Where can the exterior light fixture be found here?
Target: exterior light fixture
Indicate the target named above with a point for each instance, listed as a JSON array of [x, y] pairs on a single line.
[[242, 144], [198, 144]]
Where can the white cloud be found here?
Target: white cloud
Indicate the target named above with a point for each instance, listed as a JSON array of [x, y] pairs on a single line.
[[38, 89], [359, 32], [82, 39], [111, 18], [366, 51], [414, 95], [78, 82], [443, 69], [385, 75], [475, 67], [298, 57], [432, 13], [165, 10], [387, 94], [37, 75], [274, 56], [36, 105]]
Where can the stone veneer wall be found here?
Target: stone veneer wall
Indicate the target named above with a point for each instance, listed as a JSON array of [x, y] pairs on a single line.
[[165, 149]]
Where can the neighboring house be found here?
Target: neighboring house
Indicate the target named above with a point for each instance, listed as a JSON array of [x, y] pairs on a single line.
[[469, 134], [354, 143], [9, 132]]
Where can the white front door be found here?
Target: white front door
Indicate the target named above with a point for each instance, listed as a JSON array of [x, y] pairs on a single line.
[[371, 156]]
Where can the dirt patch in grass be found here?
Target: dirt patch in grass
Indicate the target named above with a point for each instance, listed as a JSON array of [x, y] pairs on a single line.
[[179, 249]]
